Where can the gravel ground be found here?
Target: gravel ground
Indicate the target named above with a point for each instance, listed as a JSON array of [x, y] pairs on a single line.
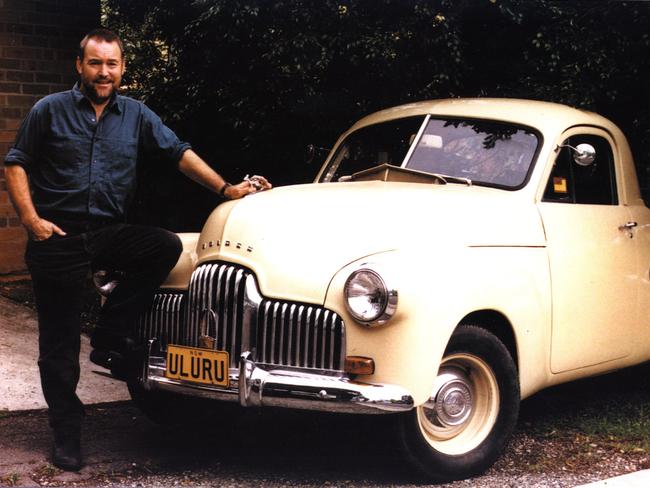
[[279, 448]]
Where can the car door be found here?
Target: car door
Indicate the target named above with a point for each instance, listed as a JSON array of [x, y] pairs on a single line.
[[592, 259]]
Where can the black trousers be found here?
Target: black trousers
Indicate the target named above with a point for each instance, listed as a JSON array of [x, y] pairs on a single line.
[[60, 267]]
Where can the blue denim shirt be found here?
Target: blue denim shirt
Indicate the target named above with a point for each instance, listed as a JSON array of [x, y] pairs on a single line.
[[82, 170]]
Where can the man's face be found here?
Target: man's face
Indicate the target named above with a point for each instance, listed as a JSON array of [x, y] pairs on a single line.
[[100, 70]]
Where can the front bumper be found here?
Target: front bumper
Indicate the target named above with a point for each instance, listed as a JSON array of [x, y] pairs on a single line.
[[254, 386]]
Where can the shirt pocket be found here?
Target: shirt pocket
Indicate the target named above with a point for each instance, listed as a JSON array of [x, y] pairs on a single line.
[[119, 158], [118, 171], [65, 161]]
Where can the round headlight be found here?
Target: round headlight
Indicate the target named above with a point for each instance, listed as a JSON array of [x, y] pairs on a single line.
[[368, 298]]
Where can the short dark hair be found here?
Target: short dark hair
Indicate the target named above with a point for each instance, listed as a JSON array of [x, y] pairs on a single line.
[[103, 34]]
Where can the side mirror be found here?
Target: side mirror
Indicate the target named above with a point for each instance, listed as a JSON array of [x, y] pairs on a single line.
[[583, 154]]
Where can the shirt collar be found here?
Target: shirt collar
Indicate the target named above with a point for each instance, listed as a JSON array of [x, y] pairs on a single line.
[[115, 103]]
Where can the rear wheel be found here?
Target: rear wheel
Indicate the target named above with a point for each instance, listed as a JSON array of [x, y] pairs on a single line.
[[463, 427]]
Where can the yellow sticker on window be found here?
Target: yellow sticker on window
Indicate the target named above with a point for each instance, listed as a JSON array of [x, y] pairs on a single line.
[[559, 185]]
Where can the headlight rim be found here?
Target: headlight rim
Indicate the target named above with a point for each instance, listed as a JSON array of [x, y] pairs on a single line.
[[391, 297]]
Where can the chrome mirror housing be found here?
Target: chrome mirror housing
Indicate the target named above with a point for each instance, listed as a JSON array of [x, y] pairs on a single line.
[[584, 154]]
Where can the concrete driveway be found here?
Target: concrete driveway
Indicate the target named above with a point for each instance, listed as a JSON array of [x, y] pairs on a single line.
[[20, 387]]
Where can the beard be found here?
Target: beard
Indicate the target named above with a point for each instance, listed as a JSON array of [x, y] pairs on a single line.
[[90, 91]]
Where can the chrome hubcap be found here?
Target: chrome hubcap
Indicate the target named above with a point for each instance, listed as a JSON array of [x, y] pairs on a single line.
[[463, 405], [452, 401]]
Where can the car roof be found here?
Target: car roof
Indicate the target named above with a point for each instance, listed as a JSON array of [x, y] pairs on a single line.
[[531, 113]]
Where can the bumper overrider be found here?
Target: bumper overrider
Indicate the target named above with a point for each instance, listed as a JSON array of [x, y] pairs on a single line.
[[254, 386]]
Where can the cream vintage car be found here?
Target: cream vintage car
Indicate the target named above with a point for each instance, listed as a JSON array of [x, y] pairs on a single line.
[[451, 258]]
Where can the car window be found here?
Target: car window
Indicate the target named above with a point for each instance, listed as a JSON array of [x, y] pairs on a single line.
[[486, 152], [570, 182], [373, 145]]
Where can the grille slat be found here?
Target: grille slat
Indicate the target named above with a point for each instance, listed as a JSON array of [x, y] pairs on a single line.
[[161, 320], [237, 312], [314, 341], [332, 341], [273, 321], [308, 322], [293, 349], [282, 318], [223, 302], [211, 298], [299, 325], [263, 329], [322, 338], [225, 307], [218, 307]]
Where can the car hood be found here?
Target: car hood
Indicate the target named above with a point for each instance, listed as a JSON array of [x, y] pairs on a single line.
[[296, 238]]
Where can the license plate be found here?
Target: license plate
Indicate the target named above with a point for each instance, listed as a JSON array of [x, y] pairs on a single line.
[[203, 366]]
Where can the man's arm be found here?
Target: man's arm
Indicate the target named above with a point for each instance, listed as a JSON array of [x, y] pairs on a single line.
[[192, 166], [18, 185]]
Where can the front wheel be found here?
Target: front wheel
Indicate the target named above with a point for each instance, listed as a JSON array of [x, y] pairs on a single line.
[[463, 427]]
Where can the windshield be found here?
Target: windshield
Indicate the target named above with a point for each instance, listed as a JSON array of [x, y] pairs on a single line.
[[486, 152]]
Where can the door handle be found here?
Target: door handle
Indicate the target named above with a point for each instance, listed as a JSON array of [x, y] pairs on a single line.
[[628, 226]]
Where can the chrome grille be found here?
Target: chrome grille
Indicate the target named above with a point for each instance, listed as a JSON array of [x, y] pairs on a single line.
[[163, 319], [223, 302], [218, 307], [302, 336]]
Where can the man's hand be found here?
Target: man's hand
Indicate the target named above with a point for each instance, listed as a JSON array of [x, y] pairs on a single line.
[[18, 185], [249, 185], [40, 229], [192, 166]]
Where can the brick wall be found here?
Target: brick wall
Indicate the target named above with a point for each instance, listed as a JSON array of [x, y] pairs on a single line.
[[38, 42]]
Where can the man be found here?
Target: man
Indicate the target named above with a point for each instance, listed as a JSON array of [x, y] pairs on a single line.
[[70, 175]]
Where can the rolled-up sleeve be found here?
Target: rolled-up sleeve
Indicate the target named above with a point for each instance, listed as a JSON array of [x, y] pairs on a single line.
[[158, 140], [25, 149]]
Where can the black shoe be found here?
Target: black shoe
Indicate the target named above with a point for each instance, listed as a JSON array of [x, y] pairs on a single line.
[[106, 339], [113, 361], [67, 454], [105, 359]]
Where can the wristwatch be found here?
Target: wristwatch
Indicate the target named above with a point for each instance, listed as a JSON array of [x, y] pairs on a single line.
[[222, 192]]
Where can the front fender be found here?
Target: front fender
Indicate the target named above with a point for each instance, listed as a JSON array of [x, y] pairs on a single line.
[[179, 276], [434, 296]]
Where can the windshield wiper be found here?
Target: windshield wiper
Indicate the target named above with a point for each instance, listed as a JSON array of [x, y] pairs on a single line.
[[455, 179]]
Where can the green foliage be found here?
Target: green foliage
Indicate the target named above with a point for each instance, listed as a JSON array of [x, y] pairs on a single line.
[[11, 479], [251, 82], [619, 419]]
